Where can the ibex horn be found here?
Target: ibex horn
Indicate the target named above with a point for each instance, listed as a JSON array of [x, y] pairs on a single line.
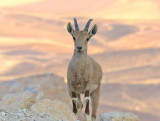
[[76, 25], [87, 25]]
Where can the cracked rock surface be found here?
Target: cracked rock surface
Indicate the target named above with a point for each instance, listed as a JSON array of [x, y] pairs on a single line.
[[25, 115], [22, 106]]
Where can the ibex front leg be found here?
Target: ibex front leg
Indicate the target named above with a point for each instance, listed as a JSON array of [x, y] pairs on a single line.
[[74, 102], [86, 103], [77, 104]]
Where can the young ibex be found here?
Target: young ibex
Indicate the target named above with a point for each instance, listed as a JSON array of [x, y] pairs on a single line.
[[84, 73]]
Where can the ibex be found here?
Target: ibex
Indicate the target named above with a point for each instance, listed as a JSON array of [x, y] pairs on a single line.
[[84, 73]]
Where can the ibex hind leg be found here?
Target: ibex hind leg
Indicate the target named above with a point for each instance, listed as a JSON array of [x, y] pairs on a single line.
[[95, 102]]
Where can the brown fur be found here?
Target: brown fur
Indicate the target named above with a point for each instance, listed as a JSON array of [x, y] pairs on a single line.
[[84, 73]]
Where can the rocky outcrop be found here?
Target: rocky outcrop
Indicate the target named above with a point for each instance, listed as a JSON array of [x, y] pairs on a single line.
[[118, 116], [26, 99], [54, 108], [18, 101], [46, 85], [22, 106], [25, 115]]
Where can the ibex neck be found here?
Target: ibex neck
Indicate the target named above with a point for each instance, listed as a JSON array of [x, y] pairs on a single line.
[[80, 56], [80, 63]]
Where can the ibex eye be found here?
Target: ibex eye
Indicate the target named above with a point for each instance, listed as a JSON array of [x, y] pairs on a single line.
[[87, 39], [74, 38]]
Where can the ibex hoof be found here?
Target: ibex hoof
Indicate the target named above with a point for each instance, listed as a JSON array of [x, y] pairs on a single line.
[[93, 118], [78, 113], [88, 118]]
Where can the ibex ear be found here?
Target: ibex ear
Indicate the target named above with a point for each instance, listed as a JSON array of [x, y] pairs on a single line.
[[70, 28], [93, 31]]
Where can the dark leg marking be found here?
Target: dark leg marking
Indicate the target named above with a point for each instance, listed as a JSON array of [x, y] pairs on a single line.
[[87, 103], [87, 93], [74, 107], [74, 103], [73, 94], [87, 108]]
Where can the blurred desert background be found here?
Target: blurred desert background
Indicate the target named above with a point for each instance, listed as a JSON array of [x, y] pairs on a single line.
[[34, 42]]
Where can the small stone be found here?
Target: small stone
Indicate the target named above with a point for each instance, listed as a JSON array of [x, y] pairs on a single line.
[[3, 113], [24, 110]]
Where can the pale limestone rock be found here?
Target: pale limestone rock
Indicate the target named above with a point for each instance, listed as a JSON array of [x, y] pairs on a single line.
[[17, 101], [25, 115], [118, 116], [46, 85], [54, 108]]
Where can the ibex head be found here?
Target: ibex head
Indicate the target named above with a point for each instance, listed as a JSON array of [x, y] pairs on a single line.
[[81, 38]]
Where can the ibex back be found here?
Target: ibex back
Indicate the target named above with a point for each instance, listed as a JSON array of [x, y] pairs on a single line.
[[84, 73]]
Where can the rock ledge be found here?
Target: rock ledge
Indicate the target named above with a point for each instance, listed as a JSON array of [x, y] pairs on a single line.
[[22, 106]]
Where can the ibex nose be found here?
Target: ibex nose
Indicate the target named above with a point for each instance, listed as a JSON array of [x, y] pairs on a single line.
[[79, 47]]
